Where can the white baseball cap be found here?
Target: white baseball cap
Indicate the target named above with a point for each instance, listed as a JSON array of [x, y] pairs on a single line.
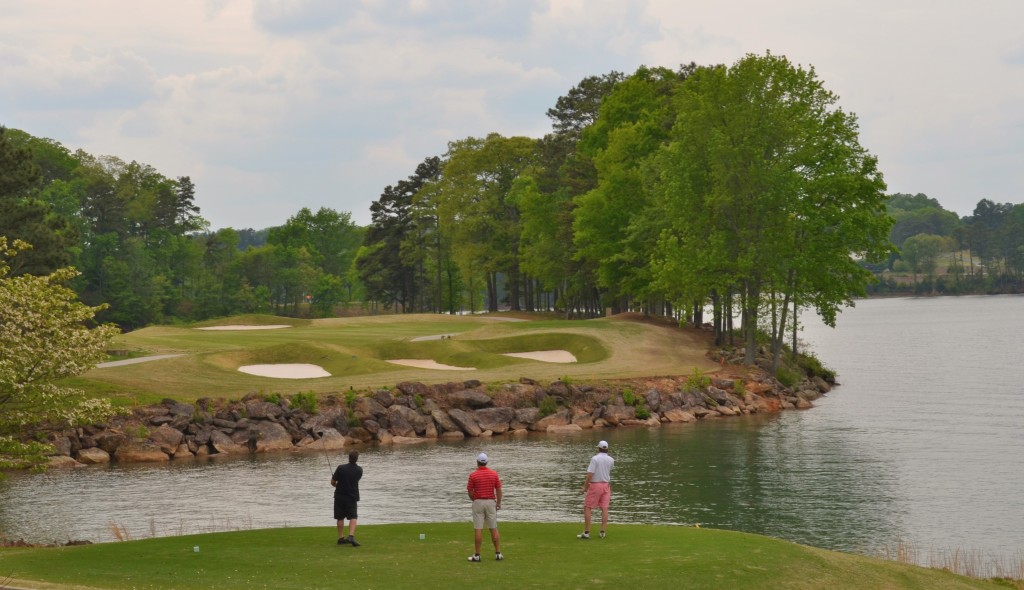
[[603, 445], [481, 458]]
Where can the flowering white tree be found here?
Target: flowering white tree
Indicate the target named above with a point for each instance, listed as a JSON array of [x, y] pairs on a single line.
[[44, 337]]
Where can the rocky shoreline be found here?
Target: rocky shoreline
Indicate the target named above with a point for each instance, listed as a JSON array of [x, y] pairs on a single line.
[[414, 412]]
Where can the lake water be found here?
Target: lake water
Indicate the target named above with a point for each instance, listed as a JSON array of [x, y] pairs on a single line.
[[921, 446]]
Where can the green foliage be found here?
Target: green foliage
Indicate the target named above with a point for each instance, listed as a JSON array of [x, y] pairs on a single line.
[[274, 398], [548, 406], [353, 421], [306, 402], [628, 397], [788, 376], [642, 412], [813, 367], [698, 380], [350, 398], [739, 387], [418, 400], [46, 338], [139, 432]]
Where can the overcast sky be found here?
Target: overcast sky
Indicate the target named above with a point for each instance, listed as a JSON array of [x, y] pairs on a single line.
[[274, 105]]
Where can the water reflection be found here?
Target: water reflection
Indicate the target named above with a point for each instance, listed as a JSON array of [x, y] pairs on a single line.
[[755, 474]]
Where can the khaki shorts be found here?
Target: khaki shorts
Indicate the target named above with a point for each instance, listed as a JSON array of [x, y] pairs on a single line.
[[485, 514]]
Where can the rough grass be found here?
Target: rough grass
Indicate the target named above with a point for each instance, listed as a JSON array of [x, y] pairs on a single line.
[[355, 351], [536, 556]]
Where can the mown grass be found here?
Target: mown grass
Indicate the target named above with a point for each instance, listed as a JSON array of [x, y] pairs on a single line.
[[536, 556], [355, 351]]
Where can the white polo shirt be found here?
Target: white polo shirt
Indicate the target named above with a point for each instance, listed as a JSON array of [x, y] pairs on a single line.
[[601, 467]]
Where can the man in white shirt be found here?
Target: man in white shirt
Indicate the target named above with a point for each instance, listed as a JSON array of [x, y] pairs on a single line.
[[597, 488]]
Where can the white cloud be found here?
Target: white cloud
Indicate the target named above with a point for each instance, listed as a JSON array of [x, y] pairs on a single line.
[[273, 105]]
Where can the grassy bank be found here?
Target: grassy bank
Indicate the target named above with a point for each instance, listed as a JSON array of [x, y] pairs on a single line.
[[356, 350], [536, 556]]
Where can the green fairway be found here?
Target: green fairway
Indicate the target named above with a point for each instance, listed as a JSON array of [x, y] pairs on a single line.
[[394, 557], [355, 352]]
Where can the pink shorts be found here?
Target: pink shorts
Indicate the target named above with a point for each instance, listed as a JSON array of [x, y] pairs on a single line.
[[599, 495]]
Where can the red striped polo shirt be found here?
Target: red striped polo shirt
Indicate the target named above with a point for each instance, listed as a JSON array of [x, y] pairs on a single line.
[[483, 482]]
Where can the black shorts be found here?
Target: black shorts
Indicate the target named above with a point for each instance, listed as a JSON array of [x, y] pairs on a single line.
[[345, 508]]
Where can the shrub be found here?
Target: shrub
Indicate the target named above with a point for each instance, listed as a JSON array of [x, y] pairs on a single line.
[[354, 421], [304, 401], [698, 380], [548, 406], [628, 397], [739, 387], [813, 367], [787, 376], [274, 398], [418, 400], [350, 398], [642, 412]]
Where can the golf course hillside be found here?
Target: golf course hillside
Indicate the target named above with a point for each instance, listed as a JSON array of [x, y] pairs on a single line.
[[235, 356], [433, 555]]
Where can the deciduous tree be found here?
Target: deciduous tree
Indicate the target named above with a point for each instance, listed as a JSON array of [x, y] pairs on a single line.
[[46, 337]]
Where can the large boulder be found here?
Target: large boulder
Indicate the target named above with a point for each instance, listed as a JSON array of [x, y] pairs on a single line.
[[444, 423], [678, 415], [524, 418], [261, 410], [615, 414], [465, 421], [167, 438], [61, 461], [223, 444], [416, 421], [270, 436], [93, 456], [494, 419], [413, 388], [141, 452], [470, 399], [560, 418], [399, 422]]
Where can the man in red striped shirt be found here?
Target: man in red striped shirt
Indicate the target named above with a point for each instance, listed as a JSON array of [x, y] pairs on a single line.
[[484, 489]]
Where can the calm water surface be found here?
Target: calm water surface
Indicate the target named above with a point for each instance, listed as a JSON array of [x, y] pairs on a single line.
[[921, 445]]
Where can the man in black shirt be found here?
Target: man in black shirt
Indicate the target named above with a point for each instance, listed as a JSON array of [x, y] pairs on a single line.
[[346, 495]]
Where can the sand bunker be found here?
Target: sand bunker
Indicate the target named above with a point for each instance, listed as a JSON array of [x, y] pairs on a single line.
[[243, 327], [428, 364], [286, 371], [546, 356]]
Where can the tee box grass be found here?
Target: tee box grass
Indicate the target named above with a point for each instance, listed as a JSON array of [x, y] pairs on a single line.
[[537, 555]]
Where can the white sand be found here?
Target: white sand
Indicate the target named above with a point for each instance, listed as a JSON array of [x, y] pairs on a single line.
[[286, 371], [547, 356], [428, 364], [243, 327]]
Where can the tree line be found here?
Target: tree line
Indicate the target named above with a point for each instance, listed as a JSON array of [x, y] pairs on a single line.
[[741, 189], [944, 253]]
